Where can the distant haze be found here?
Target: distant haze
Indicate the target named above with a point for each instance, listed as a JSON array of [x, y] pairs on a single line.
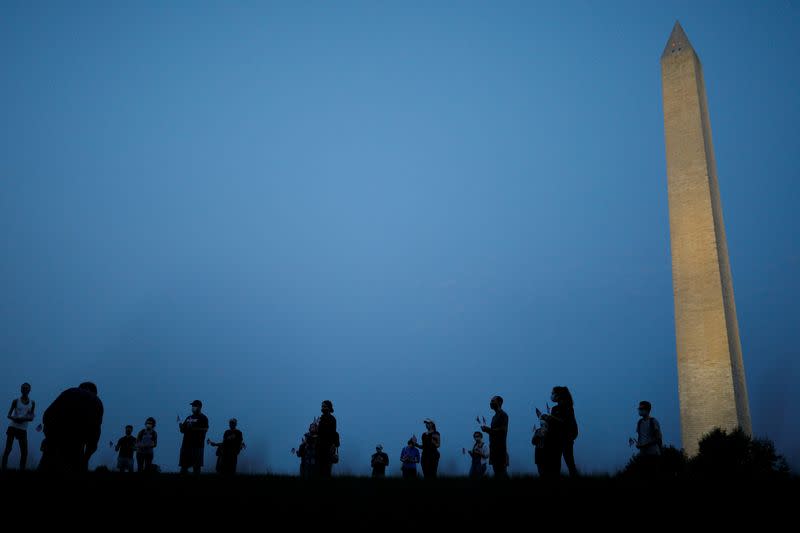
[[405, 209]]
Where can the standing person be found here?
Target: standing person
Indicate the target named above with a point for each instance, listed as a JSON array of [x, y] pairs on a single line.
[[498, 433], [478, 454], [125, 446], [307, 451], [22, 411], [562, 427], [409, 458], [431, 440], [379, 462], [72, 429], [327, 441], [648, 440], [194, 429], [229, 448], [146, 441], [545, 454]]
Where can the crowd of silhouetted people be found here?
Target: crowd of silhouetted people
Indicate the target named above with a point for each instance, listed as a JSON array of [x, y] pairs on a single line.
[[72, 423]]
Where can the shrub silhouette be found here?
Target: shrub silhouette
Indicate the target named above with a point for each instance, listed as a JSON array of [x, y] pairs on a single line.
[[724, 454], [673, 464]]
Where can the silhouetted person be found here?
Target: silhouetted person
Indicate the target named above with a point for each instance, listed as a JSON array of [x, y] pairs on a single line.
[[229, 448], [146, 441], [379, 462], [546, 453], [194, 429], [307, 451], [562, 427], [125, 446], [478, 456], [648, 440], [409, 458], [498, 433], [327, 441], [21, 413], [72, 429], [431, 440]]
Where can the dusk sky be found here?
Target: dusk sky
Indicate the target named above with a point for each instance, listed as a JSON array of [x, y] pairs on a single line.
[[403, 207]]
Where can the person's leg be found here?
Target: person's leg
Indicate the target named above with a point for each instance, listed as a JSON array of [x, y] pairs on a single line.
[[325, 467], [554, 463], [435, 467], [23, 450], [569, 458], [425, 464], [185, 460], [9, 445]]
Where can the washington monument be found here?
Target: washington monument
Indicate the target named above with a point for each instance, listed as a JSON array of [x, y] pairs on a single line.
[[711, 383]]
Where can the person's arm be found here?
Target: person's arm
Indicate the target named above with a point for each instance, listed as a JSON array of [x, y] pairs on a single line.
[[116, 448], [11, 411], [436, 438], [155, 440], [32, 413]]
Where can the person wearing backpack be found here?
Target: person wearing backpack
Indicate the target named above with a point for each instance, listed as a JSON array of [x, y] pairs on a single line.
[[648, 439]]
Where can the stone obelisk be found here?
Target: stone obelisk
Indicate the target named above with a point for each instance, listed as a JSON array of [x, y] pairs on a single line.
[[711, 382]]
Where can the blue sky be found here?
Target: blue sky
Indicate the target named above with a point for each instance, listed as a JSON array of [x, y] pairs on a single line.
[[403, 207]]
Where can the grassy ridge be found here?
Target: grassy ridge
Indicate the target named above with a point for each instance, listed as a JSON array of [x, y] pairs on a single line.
[[363, 501]]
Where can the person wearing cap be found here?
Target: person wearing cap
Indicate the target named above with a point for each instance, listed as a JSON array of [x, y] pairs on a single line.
[[409, 458], [431, 440], [146, 441], [194, 429], [228, 449], [327, 441], [380, 460], [648, 439], [498, 433]]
